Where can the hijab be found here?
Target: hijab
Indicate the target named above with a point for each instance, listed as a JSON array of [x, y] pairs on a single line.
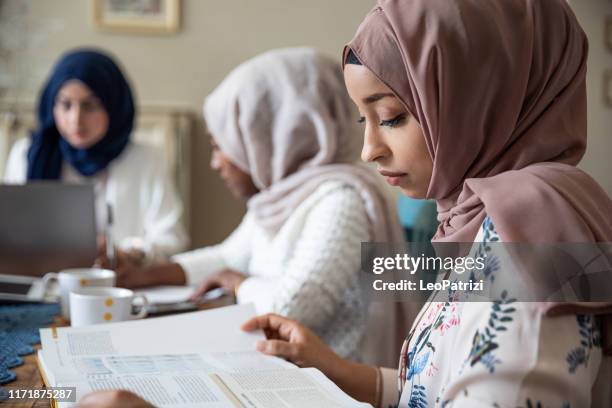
[[49, 150], [285, 118]]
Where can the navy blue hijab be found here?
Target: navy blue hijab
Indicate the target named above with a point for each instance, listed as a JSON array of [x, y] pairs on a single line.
[[104, 78]]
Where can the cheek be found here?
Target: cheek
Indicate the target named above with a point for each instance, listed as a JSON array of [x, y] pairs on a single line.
[[60, 118], [98, 124], [411, 155]]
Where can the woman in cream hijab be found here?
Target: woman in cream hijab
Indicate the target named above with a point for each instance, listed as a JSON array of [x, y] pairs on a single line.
[[285, 136]]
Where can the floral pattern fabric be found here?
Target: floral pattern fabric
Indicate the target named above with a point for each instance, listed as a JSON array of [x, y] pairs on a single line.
[[498, 354]]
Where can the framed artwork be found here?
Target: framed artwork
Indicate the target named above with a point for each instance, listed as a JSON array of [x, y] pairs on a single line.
[[137, 16]]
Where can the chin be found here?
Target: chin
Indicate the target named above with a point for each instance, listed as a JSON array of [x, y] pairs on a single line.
[[81, 143], [412, 193], [235, 192]]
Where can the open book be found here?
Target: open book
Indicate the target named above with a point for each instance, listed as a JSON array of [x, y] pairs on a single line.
[[198, 359]]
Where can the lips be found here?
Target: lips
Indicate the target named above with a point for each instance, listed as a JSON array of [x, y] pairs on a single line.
[[79, 134], [390, 173], [393, 178]]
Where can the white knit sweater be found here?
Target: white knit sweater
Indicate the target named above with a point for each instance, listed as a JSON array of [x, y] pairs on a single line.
[[308, 271]]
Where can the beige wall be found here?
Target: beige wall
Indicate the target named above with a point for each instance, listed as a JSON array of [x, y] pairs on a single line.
[[598, 160], [179, 70]]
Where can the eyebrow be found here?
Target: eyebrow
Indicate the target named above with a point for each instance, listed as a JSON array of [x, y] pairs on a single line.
[[62, 96], [377, 97]]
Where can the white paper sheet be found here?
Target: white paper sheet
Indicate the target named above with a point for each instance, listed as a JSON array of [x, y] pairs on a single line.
[[176, 294], [216, 330]]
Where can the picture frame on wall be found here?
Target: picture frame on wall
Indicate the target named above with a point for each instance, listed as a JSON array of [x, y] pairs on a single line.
[[137, 16]]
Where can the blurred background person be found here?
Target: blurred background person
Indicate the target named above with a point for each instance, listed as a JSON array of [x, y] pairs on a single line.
[[85, 120]]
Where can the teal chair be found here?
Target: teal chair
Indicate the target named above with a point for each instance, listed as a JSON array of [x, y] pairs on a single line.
[[418, 218]]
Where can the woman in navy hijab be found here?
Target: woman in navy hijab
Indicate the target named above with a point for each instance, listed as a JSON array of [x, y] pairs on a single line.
[[85, 121], [88, 132]]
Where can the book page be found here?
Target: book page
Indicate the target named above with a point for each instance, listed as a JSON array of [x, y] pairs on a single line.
[[184, 390], [108, 367], [216, 330], [169, 379], [299, 388]]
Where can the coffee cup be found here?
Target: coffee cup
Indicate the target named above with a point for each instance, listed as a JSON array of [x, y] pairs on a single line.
[[93, 305], [72, 279]]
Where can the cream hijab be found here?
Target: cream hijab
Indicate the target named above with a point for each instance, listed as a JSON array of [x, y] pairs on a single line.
[[285, 118], [498, 88]]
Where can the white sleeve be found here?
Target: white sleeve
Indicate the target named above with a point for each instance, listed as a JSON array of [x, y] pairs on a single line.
[[234, 252], [390, 393], [17, 163], [164, 233], [325, 259]]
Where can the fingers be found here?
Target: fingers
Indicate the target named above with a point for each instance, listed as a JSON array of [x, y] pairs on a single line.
[[202, 289], [112, 399], [101, 262], [263, 322], [272, 323], [279, 348], [101, 244]]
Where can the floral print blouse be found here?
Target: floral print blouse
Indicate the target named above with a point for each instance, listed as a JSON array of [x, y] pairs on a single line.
[[500, 354]]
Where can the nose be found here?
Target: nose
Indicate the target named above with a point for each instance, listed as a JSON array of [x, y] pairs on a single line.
[[215, 161], [373, 146], [76, 114]]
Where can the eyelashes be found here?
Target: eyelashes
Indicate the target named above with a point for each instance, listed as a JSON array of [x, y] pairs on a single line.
[[390, 122], [393, 122]]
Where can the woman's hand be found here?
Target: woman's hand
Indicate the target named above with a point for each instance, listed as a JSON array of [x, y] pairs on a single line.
[[296, 343], [288, 339], [113, 399], [227, 279], [134, 275]]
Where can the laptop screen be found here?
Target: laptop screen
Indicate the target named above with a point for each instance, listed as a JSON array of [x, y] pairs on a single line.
[[46, 227]]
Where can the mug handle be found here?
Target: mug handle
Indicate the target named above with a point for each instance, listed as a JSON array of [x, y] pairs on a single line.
[[47, 278], [144, 309]]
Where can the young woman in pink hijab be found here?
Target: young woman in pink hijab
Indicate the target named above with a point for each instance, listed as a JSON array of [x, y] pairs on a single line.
[[480, 105]]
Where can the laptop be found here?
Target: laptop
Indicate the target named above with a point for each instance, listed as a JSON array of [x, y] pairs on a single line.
[[44, 227]]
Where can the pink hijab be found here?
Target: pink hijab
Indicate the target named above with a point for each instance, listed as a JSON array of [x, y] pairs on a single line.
[[498, 88]]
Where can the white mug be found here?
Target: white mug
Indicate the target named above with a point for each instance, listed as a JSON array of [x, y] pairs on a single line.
[[104, 305], [71, 279]]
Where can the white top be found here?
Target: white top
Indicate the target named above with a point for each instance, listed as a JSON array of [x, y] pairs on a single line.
[[146, 209], [308, 271]]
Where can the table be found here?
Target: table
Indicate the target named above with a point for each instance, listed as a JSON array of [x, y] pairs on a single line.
[[28, 376]]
